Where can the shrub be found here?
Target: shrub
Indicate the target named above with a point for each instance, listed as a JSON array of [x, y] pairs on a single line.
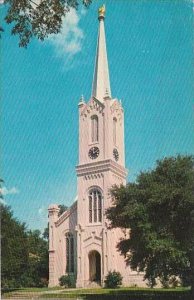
[[113, 279], [174, 282], [67, 281], [165, 282], [171, 282], [43, 282]]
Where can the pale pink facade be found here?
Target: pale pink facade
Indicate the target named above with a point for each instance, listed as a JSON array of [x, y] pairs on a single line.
[[79, 240]]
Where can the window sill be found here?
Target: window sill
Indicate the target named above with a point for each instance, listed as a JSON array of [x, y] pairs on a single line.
[[93, 144], [94, 224]]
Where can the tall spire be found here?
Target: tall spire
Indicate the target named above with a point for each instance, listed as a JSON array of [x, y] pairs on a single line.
[[101, 82]]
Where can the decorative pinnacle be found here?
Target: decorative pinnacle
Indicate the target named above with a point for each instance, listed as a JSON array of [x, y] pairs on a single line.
[[81, 101], [82, 98], [106, 94], [101, 12]]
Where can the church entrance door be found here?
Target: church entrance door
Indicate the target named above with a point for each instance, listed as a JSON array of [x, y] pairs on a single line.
[[94, 266]]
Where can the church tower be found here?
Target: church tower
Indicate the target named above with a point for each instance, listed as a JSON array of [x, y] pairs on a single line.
[[80, 243], [101, 165]]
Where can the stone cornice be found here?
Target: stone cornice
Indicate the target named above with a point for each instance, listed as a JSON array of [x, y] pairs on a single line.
[[100, 167]]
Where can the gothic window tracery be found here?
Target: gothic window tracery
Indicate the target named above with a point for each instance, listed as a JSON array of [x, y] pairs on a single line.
[[94, 128], [69, 253], [95, 206]]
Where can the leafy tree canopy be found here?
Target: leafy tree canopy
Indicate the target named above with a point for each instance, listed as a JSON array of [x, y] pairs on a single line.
[[62, 209], [37, 273], [1, 194], [38, 18], [24, 260], [158, 210], [14, 253]]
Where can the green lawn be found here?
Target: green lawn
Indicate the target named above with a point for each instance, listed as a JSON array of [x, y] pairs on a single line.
[[11, 292], [123, 294], [104, 294]]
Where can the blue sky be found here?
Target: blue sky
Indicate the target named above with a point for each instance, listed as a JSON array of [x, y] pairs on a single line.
[[149, 47]]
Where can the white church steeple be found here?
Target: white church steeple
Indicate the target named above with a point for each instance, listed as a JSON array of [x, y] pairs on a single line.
[[79, 239], [101, 82]]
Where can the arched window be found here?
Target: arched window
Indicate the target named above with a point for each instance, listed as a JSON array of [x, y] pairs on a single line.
[[114, 131], [69, 253], [95, 206], [94, 128]]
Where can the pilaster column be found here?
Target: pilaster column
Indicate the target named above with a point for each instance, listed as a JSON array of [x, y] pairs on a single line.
[[80, 271], [53, 216]]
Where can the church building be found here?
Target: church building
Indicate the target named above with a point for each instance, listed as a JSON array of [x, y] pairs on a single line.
[[80, 242]]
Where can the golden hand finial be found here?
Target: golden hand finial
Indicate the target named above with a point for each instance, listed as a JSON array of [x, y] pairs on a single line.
[[101, 11]]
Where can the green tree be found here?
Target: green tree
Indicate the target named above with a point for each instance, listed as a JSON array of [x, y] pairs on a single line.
[[62, 209], [1, 194], [24, 260], [14, 251], [37, 272], [46, 232], [38, 18], [158, 210]]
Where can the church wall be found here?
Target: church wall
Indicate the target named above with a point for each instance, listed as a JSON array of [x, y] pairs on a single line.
[[106, 113], [58, 254], [85, 137], [113, 110], [117, 262], [102, 180], [96, 236]]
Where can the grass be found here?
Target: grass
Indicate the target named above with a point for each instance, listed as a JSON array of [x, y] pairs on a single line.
[[9, 292], [124, 293]]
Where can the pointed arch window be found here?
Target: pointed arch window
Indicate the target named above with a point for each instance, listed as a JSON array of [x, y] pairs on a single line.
[[114, 131], [95, 206], [94, 128], [69, 253]]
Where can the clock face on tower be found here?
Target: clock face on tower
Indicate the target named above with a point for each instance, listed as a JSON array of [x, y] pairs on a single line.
[[116, 154], [93, 152]]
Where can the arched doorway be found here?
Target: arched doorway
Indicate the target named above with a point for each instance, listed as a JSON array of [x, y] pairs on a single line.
[[94, 266]]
